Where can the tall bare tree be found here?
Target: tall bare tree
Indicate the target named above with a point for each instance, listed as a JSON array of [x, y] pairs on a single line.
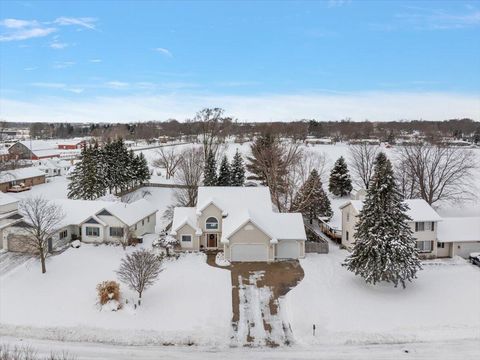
[[362, 158], [42, 219], [139, 270], [438, 173], [213, 125], [169, 159]]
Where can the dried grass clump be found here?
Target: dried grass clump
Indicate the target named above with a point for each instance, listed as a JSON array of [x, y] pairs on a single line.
[[108, 290]]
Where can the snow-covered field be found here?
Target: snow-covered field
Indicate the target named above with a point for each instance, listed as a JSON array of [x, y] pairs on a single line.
[[190, 302], [442, 304]]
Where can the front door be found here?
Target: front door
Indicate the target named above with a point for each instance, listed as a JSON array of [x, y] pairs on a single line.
[[211, 240]]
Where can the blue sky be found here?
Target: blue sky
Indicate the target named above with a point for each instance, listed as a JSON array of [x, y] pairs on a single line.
[[390, 60]]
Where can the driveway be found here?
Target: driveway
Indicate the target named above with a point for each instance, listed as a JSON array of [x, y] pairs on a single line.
[[257, 290]]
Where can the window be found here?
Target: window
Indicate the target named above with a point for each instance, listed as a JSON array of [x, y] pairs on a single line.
[[419, 226], [92, 231], [348, 216], [186, 238], [440, 245], [135, 226], [211, 224], [424, 246], [116, 231], [143, 222], [347, 235], [63, 234], [148, 219]]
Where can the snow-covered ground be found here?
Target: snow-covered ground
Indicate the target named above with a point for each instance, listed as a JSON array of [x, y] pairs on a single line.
[[442, 304], [190, 303]]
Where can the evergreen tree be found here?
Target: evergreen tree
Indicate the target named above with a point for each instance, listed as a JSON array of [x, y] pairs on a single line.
[[340, 183], [85, 181], [311, 199], [210, 171], [385, 248], [224, 174], [76, 178], [237, 170], [143, 172]]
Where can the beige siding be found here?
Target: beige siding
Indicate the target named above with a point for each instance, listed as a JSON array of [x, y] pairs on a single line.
[[210, 211], [250, 234], [188, 230], [349, 219]]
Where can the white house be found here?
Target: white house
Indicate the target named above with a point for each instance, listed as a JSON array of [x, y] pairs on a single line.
[[424, 224], [240, 221], [458, 236], [54, 167], [8, 214], [91, 222]]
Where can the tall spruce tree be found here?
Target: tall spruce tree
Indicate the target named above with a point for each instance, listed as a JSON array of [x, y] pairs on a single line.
[[76, 177], [311, 199], [210, 170], [224, 173], [237, 170], [385, 248], [143, 172], [340, 183]]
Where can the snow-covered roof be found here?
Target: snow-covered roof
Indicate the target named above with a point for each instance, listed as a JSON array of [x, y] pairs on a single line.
[[183, 216], [19, 174], [459, 229], [240, 205], [6, 199], [419, 210], [131, 213]]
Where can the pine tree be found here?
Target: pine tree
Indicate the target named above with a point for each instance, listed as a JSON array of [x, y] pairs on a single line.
[[210, 171], [385, 248], [224, 173], [340, 183], [237, 170], [143, 172], [75, 185], [84, 183], [311, 199]]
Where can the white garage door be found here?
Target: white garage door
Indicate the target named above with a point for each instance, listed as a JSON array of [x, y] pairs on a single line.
[[249, 252], [464, 249], [288, 250]]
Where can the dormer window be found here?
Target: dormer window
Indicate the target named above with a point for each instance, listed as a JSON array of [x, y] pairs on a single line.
[[211, 223]]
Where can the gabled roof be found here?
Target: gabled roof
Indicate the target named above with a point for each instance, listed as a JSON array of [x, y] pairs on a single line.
[[184, 216], [20, 174], [131, 213], [419, 210]]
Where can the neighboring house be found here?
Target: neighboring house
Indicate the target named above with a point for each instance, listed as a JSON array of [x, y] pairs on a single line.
[[424, 225], [54, 167], [8, 214], [458, 236], [27, 177], [91, 221], [34, 149], [71, 144], [240, 221]]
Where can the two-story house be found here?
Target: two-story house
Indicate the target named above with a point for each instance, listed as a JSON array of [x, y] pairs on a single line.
[[424, 225], [240, 221]]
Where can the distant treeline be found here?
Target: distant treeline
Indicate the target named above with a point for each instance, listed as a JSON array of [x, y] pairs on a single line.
[[298, 130]]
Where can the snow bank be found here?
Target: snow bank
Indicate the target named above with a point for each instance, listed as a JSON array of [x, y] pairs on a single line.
[[442, 304], [190, 303]]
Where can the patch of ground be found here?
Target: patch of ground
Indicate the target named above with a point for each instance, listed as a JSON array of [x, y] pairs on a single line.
[[256, 289]]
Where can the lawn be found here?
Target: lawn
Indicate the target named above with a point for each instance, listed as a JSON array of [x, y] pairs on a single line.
[[190, 303], [442, 304]]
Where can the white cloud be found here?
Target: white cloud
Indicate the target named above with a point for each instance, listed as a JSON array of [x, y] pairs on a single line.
[[17, 23], [337, 3], [58, 45], [75, 90], [375, 106], [86, 22], [63, 64], [95, 60], [117, 84], [164, 51], [31, 68], [49, 85], [22, 33]]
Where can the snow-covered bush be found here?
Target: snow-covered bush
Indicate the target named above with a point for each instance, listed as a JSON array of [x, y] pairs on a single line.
[[107, 291], [166, 242], [75, 244], [27, 353], [220, 260]]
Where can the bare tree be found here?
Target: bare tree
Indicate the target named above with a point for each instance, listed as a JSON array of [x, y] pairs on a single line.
[[213, 125], [189, 175], [139, 270], [362, 159], [438, 173], [127, 237], [42, 220], [169, 159]]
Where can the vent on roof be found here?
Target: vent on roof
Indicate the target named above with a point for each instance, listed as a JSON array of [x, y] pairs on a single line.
[[104, 213]]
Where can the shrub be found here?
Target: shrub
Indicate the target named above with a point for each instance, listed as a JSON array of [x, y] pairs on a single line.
[[108, 290]]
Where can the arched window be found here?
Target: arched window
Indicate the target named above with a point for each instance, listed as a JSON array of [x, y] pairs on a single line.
[[211, 223]]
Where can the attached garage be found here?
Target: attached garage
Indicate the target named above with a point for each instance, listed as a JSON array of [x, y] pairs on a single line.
[[287, 249], [249, 252]]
